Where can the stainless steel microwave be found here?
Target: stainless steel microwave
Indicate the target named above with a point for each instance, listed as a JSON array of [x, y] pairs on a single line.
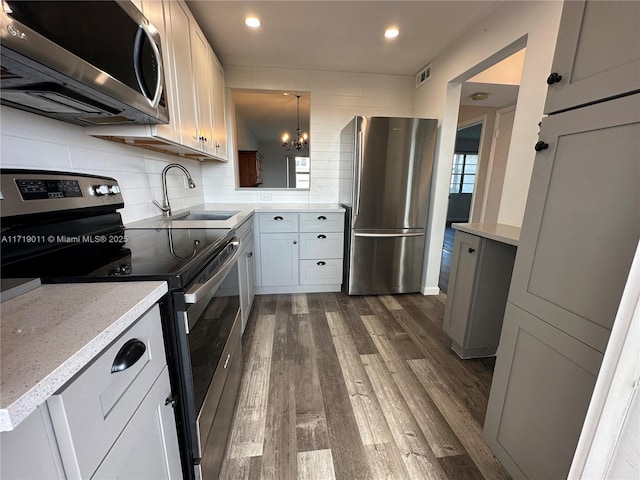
[[84, 62]]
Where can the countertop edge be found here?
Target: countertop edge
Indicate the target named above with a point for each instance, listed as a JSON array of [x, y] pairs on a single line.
[[494, 231], [22, 407]]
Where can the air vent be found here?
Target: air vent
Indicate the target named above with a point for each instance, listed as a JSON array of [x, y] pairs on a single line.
[[423, 75]]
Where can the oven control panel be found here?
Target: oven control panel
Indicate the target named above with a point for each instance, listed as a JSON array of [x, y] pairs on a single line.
[[43, 189], [25, 192]]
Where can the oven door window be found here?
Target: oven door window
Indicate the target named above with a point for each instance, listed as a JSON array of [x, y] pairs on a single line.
[[209, 335]]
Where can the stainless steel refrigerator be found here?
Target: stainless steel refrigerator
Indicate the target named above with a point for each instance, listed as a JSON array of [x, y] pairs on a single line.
[[386, 166]]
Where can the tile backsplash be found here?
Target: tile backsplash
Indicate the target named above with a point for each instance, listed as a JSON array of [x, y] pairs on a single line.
[[36, 142]]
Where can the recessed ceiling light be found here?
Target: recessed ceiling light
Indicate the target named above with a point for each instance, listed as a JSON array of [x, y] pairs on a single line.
[[252, 22], [391, 32]]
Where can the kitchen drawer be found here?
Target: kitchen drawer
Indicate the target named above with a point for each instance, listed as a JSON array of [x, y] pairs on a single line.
[[278, 222], [321, 245], [321, 272], [322, 222], [92, 410]]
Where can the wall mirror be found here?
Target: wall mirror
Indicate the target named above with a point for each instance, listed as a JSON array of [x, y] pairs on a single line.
[[262, 117]]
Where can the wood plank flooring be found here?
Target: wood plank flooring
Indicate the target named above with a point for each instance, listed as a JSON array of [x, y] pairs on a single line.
[[363, 387]]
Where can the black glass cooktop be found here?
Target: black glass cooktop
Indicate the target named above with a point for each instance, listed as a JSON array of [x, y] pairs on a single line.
[[174, 255]]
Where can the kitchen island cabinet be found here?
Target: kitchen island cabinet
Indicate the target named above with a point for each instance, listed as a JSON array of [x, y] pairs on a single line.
[[481, 271]]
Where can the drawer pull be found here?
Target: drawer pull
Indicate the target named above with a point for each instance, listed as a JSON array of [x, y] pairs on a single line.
[[322, 217], [322, 236], [278, 218], [321, 264], [129, 354]]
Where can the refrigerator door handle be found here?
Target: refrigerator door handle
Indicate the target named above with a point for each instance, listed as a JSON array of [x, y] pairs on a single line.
[[359, 163], [377, 235]]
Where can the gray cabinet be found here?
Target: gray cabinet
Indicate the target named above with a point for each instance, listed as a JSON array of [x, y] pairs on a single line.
[[582, 221], [30, 451], [597, 54], [534, 418], [478, 288], [580, 230]]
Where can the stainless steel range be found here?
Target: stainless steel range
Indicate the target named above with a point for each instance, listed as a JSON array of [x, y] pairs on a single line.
[[64, 227]]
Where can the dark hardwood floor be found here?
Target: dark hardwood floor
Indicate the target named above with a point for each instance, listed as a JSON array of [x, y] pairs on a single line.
[[447, 254], [350, 387]]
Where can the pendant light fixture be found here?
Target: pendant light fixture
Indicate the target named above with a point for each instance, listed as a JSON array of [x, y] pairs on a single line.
[[301, 142]]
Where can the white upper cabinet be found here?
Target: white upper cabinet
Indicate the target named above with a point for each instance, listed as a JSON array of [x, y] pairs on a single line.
[[218, 102], [597, 55], [194, 91]]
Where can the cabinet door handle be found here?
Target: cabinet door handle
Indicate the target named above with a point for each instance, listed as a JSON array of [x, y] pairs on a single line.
[[250, 254], [128, 355], [295, 242], [170, 401], [322, 236], [278, 218], [321, 264], [540, 146], [553, 78], [322, 217], [471, 250]]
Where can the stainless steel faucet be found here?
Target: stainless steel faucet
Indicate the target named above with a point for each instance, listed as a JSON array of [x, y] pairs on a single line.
[[166, 208]]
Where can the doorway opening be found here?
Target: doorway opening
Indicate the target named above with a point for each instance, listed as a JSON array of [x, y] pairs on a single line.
[[486, 107]]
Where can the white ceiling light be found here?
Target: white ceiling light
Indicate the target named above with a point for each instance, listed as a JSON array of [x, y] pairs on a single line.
[[479, 96], [252, 22], [391, 32]]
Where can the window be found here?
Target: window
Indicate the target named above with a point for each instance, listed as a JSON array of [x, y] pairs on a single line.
[[463, 172]]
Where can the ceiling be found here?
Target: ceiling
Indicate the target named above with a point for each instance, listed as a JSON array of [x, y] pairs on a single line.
[[336, 35]]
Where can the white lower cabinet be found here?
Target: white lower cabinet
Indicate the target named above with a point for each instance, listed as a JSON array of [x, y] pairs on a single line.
[[279, 259], [299, 252], [246, 270], [30, 451], [148, 446], [113, 420]]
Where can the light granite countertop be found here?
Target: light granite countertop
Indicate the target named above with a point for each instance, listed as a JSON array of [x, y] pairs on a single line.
[[494, 231], [240, 212], [50, 333]]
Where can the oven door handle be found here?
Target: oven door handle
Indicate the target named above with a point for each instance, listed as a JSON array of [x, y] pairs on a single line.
[[199, 289]]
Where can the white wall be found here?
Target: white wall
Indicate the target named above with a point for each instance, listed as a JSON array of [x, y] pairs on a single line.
[[36, 142], [336, 97], [499, 34]]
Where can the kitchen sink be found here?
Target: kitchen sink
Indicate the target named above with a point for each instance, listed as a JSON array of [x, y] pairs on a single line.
[[191, 216]]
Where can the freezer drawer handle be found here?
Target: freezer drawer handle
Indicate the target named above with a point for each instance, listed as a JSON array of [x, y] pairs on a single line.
[[381, 235], [322, 217], [128, 355], [321, 264], [322, 236], [278, 218]]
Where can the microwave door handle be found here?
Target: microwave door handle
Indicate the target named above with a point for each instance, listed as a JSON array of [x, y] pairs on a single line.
[[199, 289], [143, 32]]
